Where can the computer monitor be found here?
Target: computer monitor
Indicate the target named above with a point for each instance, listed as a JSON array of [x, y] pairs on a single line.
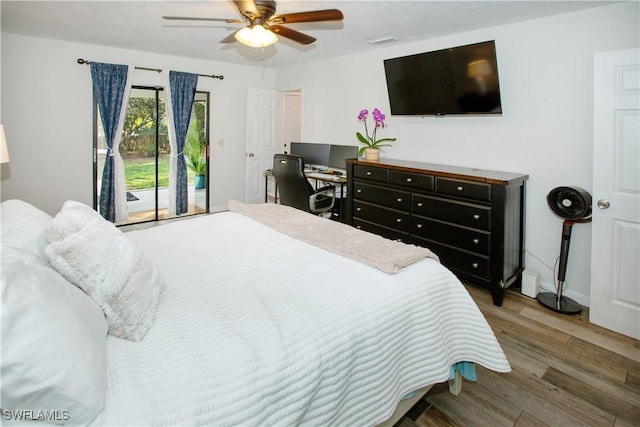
[[313, 154], [339, 153]]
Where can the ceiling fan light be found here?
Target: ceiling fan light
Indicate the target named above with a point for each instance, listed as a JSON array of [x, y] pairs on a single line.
[[256, 36]]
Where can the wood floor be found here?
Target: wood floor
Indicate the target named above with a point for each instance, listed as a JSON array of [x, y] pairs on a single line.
[[565, 372]]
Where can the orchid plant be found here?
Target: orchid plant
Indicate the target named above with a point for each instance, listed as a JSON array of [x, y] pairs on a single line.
[[370, 141]]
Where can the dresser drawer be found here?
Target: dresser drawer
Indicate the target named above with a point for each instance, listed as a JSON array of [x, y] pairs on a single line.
[[411, 180], [374, 174], [466, 189], [467, 214], [456, 259], [381, 215], [472, 219], [382, 195], [460, 237], [389, 233]]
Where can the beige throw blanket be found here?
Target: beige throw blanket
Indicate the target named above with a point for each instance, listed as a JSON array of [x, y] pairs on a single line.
[[386, 255]]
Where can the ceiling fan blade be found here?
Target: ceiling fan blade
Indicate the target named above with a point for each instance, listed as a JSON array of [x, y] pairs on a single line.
[[191, 18], [294, 35], [230, 38], [311, 16], [247, 8]]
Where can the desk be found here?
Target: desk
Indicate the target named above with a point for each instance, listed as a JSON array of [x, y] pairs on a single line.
[[335, 180]]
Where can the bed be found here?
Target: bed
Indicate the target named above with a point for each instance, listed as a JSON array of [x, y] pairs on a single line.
[[234, 318]]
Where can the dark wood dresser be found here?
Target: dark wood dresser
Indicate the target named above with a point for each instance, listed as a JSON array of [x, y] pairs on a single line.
[[472, 219]]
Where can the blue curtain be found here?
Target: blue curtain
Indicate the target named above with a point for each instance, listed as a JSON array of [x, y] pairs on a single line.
[[183, 91], [109, 81]]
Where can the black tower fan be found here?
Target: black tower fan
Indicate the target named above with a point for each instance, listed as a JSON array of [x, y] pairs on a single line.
[[573, 204]]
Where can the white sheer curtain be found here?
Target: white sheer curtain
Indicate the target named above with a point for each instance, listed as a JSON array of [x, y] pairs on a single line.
[[118, 163], [171, 131]]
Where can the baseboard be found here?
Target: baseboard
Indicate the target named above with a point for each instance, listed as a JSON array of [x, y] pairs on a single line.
[[581, 299], [220, 208]]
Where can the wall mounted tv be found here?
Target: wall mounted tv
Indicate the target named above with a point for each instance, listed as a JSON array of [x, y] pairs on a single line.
[[458, 80]]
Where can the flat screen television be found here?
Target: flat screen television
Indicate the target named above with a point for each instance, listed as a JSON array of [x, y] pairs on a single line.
[[458, 80]]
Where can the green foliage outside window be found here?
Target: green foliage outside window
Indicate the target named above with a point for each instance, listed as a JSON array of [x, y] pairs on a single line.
[[138, 143]]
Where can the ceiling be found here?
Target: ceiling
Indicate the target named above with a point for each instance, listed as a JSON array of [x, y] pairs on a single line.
[[138, 25]]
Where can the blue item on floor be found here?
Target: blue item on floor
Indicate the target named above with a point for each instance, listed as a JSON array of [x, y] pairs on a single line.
[[466, 369]]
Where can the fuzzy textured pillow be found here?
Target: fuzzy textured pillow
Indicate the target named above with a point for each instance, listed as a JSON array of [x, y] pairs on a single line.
[[94, 255], [72, 218]]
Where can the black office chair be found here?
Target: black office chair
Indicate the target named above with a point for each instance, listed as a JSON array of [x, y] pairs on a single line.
[[294, 187]]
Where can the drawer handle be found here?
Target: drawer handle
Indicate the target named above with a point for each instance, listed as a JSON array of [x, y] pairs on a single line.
[[475, 265], [359, 190], [419, 226], [399, 200], [419, 204], [358, 227], [476, 216], [476, 241], [460, 188], [368, 173], [398, 219], [409, 180], [358, 209]]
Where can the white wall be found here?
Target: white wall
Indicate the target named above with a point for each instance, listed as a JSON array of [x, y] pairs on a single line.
[[47, 114], [546, 80]]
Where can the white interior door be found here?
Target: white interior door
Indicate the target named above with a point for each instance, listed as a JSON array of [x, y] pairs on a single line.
[[292, 119], [263, 129], [615, 265], [291, 128]]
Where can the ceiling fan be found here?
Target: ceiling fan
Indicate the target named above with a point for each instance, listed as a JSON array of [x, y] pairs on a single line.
[[263, 25]]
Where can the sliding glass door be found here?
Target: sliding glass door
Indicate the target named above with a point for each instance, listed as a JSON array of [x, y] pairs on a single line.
[[145, 151]]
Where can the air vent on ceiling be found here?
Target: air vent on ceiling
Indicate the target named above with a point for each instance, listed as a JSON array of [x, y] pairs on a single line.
[[382, 39]]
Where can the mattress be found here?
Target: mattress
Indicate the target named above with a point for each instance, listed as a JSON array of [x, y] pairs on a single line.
[[255, 327]]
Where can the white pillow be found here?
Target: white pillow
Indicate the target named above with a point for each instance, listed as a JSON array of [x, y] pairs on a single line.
[[76, 216], [53, 342], [94, 255], [23, 226]]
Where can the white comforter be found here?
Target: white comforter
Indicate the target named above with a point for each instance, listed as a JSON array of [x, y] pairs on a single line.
[[257, 328]]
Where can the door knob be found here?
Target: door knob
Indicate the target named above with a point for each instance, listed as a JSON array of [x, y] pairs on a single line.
[[250, 155], [603, 204]]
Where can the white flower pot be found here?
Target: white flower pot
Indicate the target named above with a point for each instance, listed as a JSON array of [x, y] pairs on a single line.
[[372, 154]]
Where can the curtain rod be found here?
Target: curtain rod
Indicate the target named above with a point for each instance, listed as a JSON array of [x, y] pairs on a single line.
[[159, 70]]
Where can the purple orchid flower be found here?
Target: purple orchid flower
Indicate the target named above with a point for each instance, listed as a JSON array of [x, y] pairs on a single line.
[[366, 139]]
